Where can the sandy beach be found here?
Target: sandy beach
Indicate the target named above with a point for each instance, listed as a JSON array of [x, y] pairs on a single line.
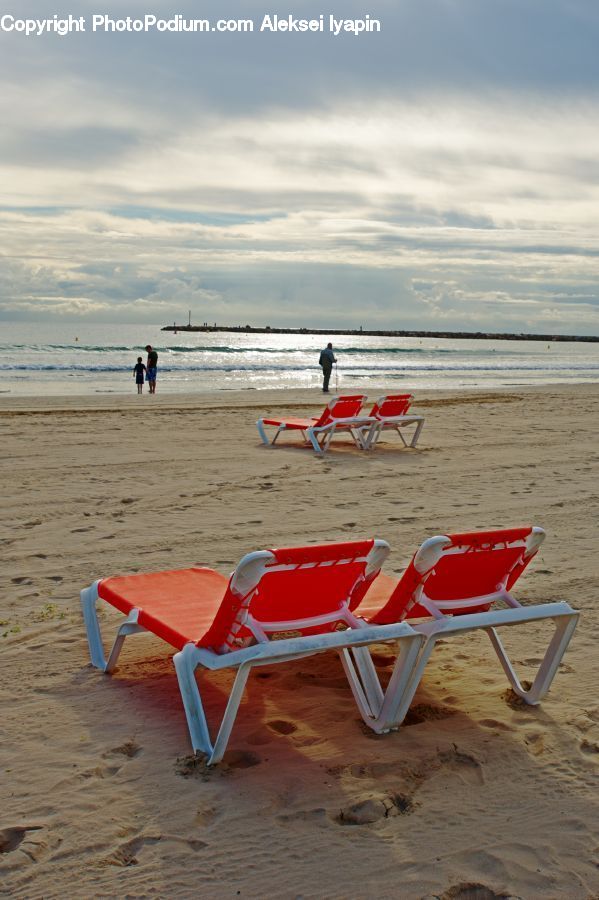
[[476, 797]]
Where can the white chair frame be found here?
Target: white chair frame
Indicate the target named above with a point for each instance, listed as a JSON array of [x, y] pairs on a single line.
[[396, 423], [361, 672], [395, 705], [361, 428]]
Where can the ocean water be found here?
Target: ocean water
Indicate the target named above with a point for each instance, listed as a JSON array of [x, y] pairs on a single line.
[[71, 358]]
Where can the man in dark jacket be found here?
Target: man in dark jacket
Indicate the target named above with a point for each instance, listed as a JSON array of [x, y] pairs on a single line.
[[151, 368], [327, 358]]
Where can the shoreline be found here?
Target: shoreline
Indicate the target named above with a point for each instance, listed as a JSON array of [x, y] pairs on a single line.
[[359, 332], [271, 398]]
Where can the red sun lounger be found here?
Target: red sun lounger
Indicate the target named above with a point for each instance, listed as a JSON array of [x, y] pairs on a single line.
[[301, 596], [391, 412], [343, 414], [455, 583]]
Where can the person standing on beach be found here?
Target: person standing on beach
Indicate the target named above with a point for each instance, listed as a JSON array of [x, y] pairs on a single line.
[[327, 358], [138, 371], [152, 367]]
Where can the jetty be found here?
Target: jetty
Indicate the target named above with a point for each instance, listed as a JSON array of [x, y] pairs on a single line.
[[359, 332]]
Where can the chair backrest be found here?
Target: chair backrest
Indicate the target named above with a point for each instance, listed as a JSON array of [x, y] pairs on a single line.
[[301, 590], [391, 405], [450, 573], [343, 407]]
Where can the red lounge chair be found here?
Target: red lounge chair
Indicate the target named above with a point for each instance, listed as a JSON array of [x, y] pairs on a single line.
[[302, 595], [454, 583], [342, 414], [392, 412]]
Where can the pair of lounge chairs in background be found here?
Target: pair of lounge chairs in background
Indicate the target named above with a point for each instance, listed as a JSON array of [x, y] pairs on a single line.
[[332, 597], [345, 415]]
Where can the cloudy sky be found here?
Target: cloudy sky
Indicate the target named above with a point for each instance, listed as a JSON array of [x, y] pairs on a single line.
[[440, 174]]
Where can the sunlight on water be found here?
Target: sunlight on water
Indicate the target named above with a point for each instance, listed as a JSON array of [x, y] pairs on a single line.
[[81, 359]]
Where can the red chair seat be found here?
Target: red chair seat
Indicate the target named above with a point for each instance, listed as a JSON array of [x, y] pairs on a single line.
[[178, 606]]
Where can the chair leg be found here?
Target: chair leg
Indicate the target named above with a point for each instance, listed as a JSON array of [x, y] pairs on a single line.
[[224, 732], [403, 440], [314, 441], [416, 434], [89, 598], [277, 433], [564, 629], [372, 436], [357, 438], [328, 436], [367, 712], [185, 665], [388, 714], [363, 435], [261, 432], [129, 626], [405, 678], [360, 670]]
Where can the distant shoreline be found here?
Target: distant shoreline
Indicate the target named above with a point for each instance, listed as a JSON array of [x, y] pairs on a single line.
[[359, 332]]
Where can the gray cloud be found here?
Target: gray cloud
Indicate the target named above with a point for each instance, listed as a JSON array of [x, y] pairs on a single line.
[[445, 169]]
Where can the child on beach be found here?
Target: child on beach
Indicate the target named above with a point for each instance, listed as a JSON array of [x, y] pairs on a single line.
[[138, 371]]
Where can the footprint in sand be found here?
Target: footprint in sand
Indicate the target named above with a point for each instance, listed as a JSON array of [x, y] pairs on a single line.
[[472, 891], [241, 759], [590, 747], [316, 816], [535, 662], [21, 579], [424, 712], [366, 812], [100, 771], [12, 838], [535, 743], [367, 770], [206, 815], [493, 723], [281, 726], [129, 748], [259, 737], [459, 761], [126, 854]]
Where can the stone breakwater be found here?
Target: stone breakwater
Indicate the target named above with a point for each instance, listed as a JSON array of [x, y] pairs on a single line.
[[455, 335]]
